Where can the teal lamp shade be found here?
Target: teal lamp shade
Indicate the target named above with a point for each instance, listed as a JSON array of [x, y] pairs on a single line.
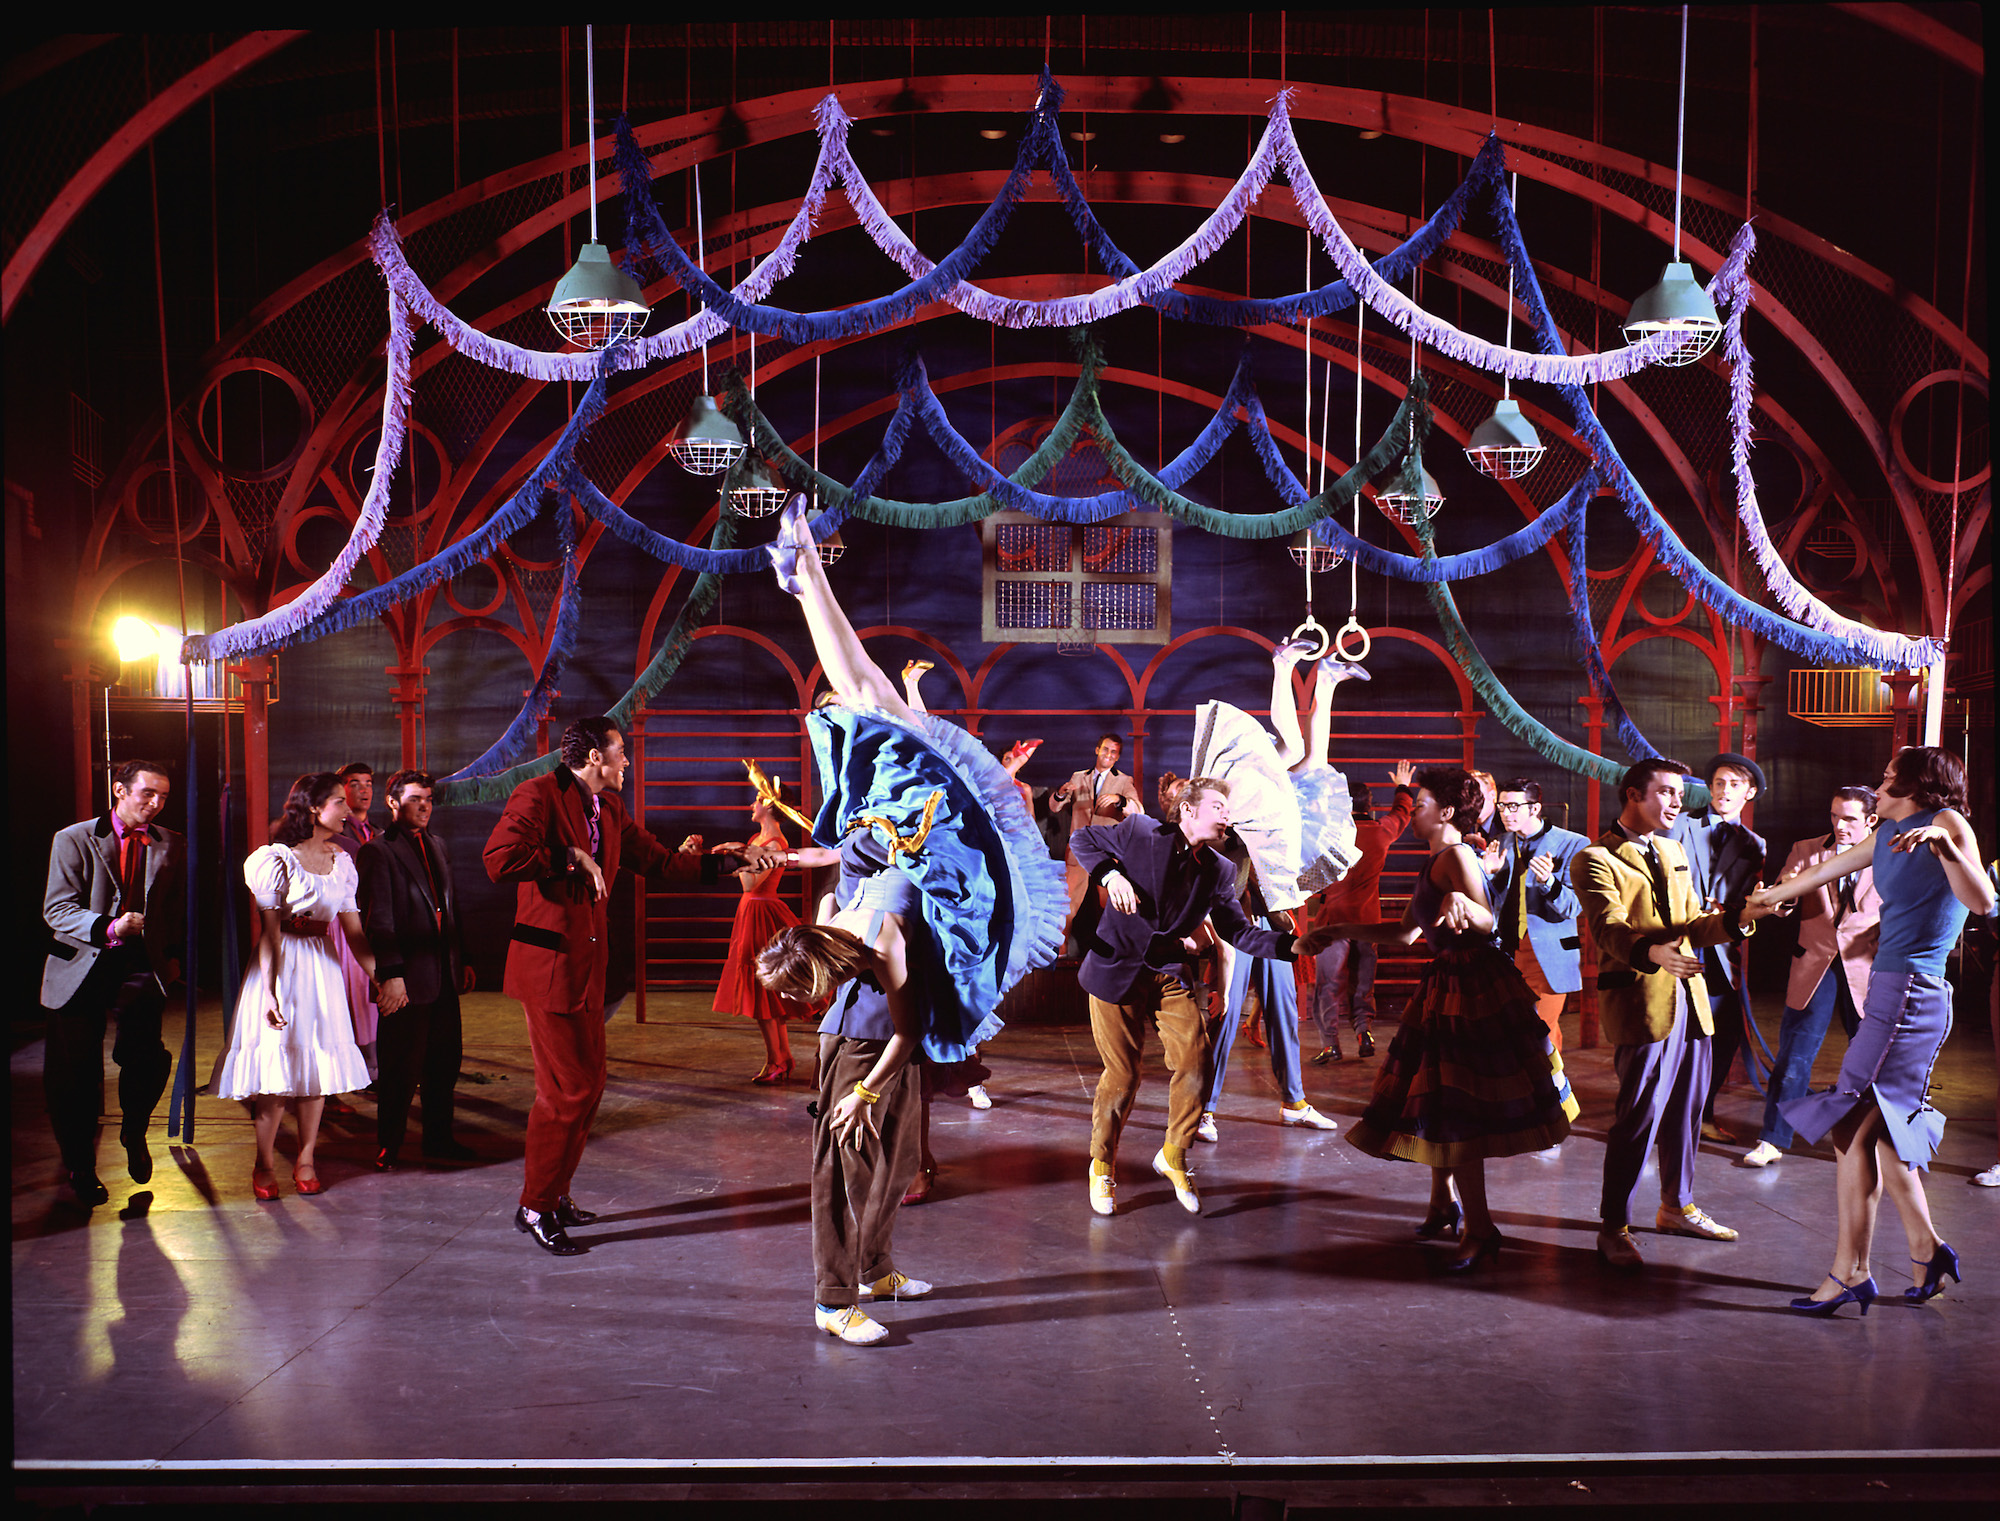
[[1404, 508], [597, 303], [1505, 447], [1679, 305], [706, 443]]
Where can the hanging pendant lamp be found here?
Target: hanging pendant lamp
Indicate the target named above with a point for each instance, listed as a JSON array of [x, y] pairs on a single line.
[[1505, 447], [1678, 304], [706, 442], [1405, 507], [761, 492], [1308, 550], [831, 548], [596, 303]]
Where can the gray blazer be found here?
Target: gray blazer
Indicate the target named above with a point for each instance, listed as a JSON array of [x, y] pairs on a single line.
[[84, 895]]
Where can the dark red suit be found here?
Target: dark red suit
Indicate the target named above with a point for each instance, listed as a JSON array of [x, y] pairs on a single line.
[[556, 958]]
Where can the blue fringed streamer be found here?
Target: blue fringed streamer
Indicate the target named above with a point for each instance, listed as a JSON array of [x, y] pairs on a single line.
[[674, 645], [519, 510], [1713, 593], [635, 173], [1519, 544], [1583, 630], [562, 640]]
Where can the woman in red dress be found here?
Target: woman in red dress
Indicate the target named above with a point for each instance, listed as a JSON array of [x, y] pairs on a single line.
[[759, 916]]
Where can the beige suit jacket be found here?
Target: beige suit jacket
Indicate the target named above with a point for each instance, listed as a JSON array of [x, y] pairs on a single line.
[[1824, 932], [1636, 999]]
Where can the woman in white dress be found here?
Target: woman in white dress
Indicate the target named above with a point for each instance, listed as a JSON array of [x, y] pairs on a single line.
[[292, 1043]]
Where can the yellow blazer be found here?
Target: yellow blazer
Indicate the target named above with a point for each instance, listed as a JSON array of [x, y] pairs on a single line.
[[1635, 998]]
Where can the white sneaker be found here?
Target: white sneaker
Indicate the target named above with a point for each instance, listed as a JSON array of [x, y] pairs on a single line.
[[980, 1099], [1182, 1179], [1987, 1179], [1206, 1130], [1308, 1116], [850, 1325], [1103, 1193], [1763, 1154], [896, 1286]]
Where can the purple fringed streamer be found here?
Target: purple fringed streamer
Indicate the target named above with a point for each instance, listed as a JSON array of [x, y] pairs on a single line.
[[255, 635], [562, 640], [1674, 556], [518, 511], [1886, 651], [1388, 302], [1518, 545]]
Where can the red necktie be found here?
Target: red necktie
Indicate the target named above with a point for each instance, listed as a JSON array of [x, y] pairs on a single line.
[[132, 870]]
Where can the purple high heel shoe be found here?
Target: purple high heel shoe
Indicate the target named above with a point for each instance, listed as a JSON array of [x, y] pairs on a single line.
[[786, 548]]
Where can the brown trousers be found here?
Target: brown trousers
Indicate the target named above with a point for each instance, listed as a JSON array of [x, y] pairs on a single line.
[[1120, 1032], [857, 1190], [1548, 1004]]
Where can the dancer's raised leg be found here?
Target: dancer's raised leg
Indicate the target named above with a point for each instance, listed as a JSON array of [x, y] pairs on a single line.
[[1331, 674], [1284, 703], [849, 671]]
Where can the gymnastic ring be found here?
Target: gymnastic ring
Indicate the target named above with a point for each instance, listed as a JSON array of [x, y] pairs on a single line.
[[1314, 626], [1340, 642]]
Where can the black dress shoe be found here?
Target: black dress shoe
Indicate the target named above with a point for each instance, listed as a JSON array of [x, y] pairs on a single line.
[[567, 1213], [138, 1159], [548, 1233], [450, 1151], [89, 1191], [1326, 1054], [1366, 1046], [385, 1160]]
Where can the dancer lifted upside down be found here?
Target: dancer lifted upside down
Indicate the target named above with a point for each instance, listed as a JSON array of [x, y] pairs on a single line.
[[1292, 812], [946, 897]]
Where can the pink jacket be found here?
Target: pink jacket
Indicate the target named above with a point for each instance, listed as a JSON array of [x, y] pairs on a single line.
[[1825, 932]]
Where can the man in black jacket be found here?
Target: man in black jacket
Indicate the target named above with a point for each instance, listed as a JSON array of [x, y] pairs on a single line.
[[411, 914], [1160, 881]]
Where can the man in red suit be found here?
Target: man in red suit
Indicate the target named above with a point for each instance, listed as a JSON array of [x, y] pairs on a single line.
[[562, 838]]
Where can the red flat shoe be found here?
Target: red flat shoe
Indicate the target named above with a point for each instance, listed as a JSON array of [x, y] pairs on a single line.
[[311, 1185], [264, 1190]]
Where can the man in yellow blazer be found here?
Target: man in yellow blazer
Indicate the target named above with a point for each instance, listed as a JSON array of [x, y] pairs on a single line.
[[1647, 922]]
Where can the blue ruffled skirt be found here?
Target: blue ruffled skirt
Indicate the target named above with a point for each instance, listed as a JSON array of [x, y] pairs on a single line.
[[993, 900]]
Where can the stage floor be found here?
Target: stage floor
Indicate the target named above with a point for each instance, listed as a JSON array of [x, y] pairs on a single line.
[[400, 1318]]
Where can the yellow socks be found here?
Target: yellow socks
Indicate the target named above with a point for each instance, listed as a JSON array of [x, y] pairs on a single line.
[[1176, 1156], [1099, 1169]]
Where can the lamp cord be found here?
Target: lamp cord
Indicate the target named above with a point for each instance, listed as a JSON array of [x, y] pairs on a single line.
[[590, 121], [1680, 136]]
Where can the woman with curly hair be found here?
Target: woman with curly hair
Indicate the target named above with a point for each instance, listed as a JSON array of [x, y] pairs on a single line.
[[760, 914], [1471, 1073], [292, 1043], [1885, 1132]]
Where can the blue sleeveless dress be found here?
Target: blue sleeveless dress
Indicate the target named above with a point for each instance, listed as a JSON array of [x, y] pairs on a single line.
[[1471, 1073], [1907, 1013]]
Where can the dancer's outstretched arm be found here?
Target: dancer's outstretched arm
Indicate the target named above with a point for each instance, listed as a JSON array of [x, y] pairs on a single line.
[[849, 671]]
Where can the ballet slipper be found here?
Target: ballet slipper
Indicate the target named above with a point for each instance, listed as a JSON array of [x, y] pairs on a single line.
[[794, 539], [916, 668], [1335, 671]]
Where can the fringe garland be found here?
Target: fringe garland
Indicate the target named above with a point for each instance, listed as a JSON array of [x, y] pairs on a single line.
[[519, 510], [1815, 647], [1550, 368], [1885, 651], [284, 625], [562, 642], [652, 681]]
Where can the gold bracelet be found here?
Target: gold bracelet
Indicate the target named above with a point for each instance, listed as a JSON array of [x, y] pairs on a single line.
[[866, 1096]]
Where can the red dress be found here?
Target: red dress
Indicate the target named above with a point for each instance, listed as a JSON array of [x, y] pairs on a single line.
[[759, 916]]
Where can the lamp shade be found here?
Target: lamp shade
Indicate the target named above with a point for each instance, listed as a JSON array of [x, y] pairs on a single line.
[[1405, 508], [706, 443], [597, 303], [1307, 549], [1677, 304], [1505, 446], [759, 493]]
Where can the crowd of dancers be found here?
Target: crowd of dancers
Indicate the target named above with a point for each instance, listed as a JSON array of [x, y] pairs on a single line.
[[946, 893]]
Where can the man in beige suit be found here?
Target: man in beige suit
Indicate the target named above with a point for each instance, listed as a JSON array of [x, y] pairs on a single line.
[[1647, 922], [1839, 924], [1101, 795]]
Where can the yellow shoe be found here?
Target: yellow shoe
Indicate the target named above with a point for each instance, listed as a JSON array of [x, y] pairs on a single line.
[[849, 1324], [1103, 1193], [1183, 1182], [1691, 1221], [896, 1286]]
